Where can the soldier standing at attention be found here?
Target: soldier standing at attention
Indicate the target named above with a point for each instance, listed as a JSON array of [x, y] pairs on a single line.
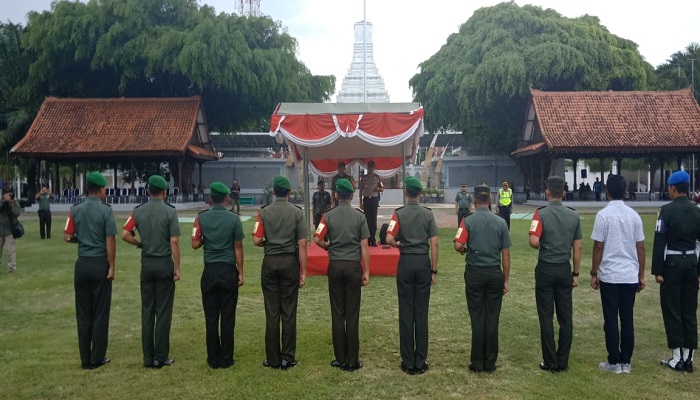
[[320, 201], [343, 233], [371, 187], [484, 238], [463, 204], [555, 230], [675, 265], [91, 225], [221, 233], [341, 175], [44, 196], [236, 196], [282, 230], [159, 231], [414, 232], [505, 202]]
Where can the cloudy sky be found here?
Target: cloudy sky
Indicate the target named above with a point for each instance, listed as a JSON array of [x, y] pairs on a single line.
[[407, 32]]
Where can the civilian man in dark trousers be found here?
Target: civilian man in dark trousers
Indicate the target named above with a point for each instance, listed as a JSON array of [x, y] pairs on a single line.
[[413, 231], [282, 230], [44, 197], [555, 230], [675, 265], [91, 225], [484, 238], [343, 233], [159, 231], [221, 233], [618, 271]]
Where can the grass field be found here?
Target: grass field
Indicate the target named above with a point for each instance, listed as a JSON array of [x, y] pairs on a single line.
[[39, 351]]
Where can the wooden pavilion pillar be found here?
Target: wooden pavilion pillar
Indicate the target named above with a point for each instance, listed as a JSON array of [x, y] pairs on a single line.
[[679, 162], [602, 170], [618, 161], [56, 179], [575, 161], [179, 175], [74, 170], [200, 187]]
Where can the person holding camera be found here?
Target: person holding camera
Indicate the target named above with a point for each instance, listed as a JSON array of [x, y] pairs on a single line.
[[44, 197], [9, 211]]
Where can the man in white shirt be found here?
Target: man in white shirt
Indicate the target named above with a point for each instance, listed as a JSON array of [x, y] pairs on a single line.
[[618, 271]]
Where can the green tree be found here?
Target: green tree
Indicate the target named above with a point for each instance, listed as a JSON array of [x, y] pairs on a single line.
[[676, 72], [478, 82]]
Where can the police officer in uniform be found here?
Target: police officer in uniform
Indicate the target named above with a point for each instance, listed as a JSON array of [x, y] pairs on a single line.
[[555, 230], [321, 201], [221, 233], [505, 202], [463, 204], [282, 230], [343, 233], [484, 238], [44, 196], [91, 225], [414, 232], [159, 233], [675, 265], [341, 175], [371, 185]]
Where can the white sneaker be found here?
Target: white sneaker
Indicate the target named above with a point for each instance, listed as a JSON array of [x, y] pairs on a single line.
[[626, 368], [606, 366]]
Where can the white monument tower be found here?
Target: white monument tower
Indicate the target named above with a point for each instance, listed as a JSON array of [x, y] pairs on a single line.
[[363, 84]]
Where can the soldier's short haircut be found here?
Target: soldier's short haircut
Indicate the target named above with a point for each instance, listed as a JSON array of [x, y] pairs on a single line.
[[93, 189], [616, 187], [682, 187], [555, 185], [155, 191], [279, 192], [344, 194], [411, 192], [482, 198], [218, 198]]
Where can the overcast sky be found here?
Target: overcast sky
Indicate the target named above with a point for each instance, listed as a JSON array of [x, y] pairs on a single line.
[[408, 32]]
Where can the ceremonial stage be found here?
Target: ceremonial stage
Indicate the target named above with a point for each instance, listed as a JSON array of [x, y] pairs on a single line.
[[382, 262]]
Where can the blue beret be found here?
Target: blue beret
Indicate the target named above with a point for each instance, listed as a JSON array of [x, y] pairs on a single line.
[[679, 177]]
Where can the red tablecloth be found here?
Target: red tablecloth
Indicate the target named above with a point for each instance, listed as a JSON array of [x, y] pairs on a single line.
[[381, 261]]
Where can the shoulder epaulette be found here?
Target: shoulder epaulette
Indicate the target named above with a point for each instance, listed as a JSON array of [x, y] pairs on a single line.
[[570, 208], [539, 208], [298, 207], [264, 206], [108, 205], [234, 212], [359, 210], [397, 209], [169, 205], [140, 205], [427, 208], [201, 212]]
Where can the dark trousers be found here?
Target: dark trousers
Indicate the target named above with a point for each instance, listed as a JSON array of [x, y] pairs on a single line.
[[461, 213], [484, 289], [679, 301], [345, 290], [237, 204], [317, 219], [504, 212], [157, 295], [413, 287], [93, 296], [219, 286], [279, 278], [553, 286], [45, 224], [618, 299], [370, 206], [597, 196]]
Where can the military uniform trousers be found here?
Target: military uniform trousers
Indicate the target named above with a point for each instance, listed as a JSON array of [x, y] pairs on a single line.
[[45, 224], [504, 212], [553, 287], [461, 213], [484, 290], [157, 295], [413, 279], [345, 290], [279, 278], [370, 206], [93, 297], [219, 286], [679, 301]]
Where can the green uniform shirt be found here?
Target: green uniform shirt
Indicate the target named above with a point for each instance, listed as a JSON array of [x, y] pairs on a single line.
[[485, 235], [282, 224], [45, 201], [157, 223], [677, 228], [463, 200], [8, 213], [557, 227], [413, 225], [91, 221], [218, 228], [335, 180], [344, 227]]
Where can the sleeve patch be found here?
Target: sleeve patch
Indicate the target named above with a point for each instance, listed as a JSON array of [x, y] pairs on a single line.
[[459, 233], [320, 228], [533, 225], [392, 224]]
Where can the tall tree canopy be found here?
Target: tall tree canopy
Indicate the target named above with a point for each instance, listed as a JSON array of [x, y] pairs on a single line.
[[676, 72], [242, 66], [478, 82]]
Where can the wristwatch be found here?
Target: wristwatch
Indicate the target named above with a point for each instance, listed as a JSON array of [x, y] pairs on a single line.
[[433, 271], [594, 273], [574, 274]]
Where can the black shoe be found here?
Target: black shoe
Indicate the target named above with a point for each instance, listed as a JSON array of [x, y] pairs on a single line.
[[422, 369], [160, 364], [689, 366], [336, 364], [99, 364], [408, 370], [490, 370], [474, 369], [227, 364], [286, 364], [267, 364], [547, 367], [679, 367], [351, 368]]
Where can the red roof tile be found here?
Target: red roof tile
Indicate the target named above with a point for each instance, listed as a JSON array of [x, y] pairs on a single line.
[[632, 122], [114, 127]]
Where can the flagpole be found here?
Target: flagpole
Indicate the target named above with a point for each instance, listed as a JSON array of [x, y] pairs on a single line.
[[364, 50]]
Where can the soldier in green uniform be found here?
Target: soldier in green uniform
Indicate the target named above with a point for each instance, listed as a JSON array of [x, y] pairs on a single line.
[[675, 265], [159, 233], [91, 225], [463, 204], [344, 234], [414, 232], [555, 230], [341, 175], [221, 233], [484, 238], [44, 197], [283, 232]]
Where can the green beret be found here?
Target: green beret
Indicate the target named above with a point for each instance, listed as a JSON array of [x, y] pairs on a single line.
[[96, 179], [482, 190], [218, 188], [158, 182], [344, 185], [282, 182], [413, 183]]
